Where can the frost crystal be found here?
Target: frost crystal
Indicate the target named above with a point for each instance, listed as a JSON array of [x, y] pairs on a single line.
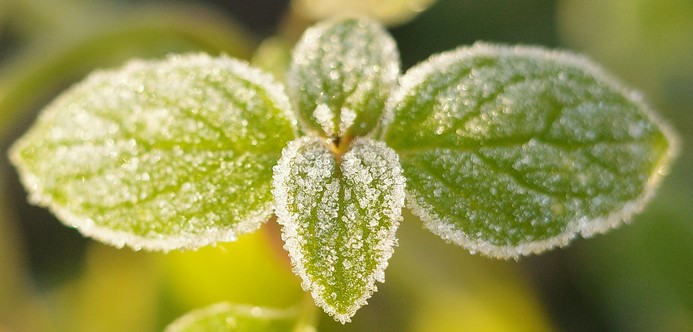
[[339, 218], [341, 74], [518, 149], [160, 155], [325, 117]]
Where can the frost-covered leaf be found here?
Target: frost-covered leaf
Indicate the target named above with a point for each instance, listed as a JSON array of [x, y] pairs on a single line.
[[514, 150], [341, 74], [222, 317], [339, 217], [160, 155]]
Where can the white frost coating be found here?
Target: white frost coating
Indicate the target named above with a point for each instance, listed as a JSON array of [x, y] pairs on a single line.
[[348, 64], [346, 120], [238, 67], [147, 132], [325, 118], [438, 62], [120, 239], [442, 227], [442, 224], [246, 72], [318, 207], [289, 204]]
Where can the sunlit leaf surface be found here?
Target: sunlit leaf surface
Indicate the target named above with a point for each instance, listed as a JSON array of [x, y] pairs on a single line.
[[339, 217], [341, 74], [514, 150], [160, 155], [391, 12], [223, 317]]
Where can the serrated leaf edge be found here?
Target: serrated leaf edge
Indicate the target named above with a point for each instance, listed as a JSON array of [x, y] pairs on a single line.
[[241, 68], [418, 73], [583, 226], [120, 239], [388, 244], [310, 36], [282, 172]]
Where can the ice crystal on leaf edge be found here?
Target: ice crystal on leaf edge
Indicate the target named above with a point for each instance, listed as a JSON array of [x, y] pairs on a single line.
[[83, 152], [440, 224], [339, 219]]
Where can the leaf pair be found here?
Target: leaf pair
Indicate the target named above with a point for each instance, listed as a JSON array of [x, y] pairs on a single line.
[[504, 150]]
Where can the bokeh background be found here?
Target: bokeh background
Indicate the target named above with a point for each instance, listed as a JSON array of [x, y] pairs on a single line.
[[636, 278]]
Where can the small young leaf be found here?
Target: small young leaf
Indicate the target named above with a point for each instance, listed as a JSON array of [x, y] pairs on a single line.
[[339, 217], [160, 155], [341, 74], [514, 150], [222, 317]]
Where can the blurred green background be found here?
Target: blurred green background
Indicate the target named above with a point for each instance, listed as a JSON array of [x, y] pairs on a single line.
[[636, 278]]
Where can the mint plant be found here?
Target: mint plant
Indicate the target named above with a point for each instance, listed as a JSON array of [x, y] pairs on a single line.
[[503, 150]]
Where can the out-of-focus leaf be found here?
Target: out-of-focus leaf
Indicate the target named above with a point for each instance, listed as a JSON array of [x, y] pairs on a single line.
[[274, 56], [145, 31], [33, 19], [514, 150], [162, 154], [391, 12], [230, 317]]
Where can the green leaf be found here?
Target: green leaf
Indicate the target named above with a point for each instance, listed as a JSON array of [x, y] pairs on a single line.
[[390, 12], [160, 155], [339, 216], [514, 150], [341, 74], [226, 316]]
